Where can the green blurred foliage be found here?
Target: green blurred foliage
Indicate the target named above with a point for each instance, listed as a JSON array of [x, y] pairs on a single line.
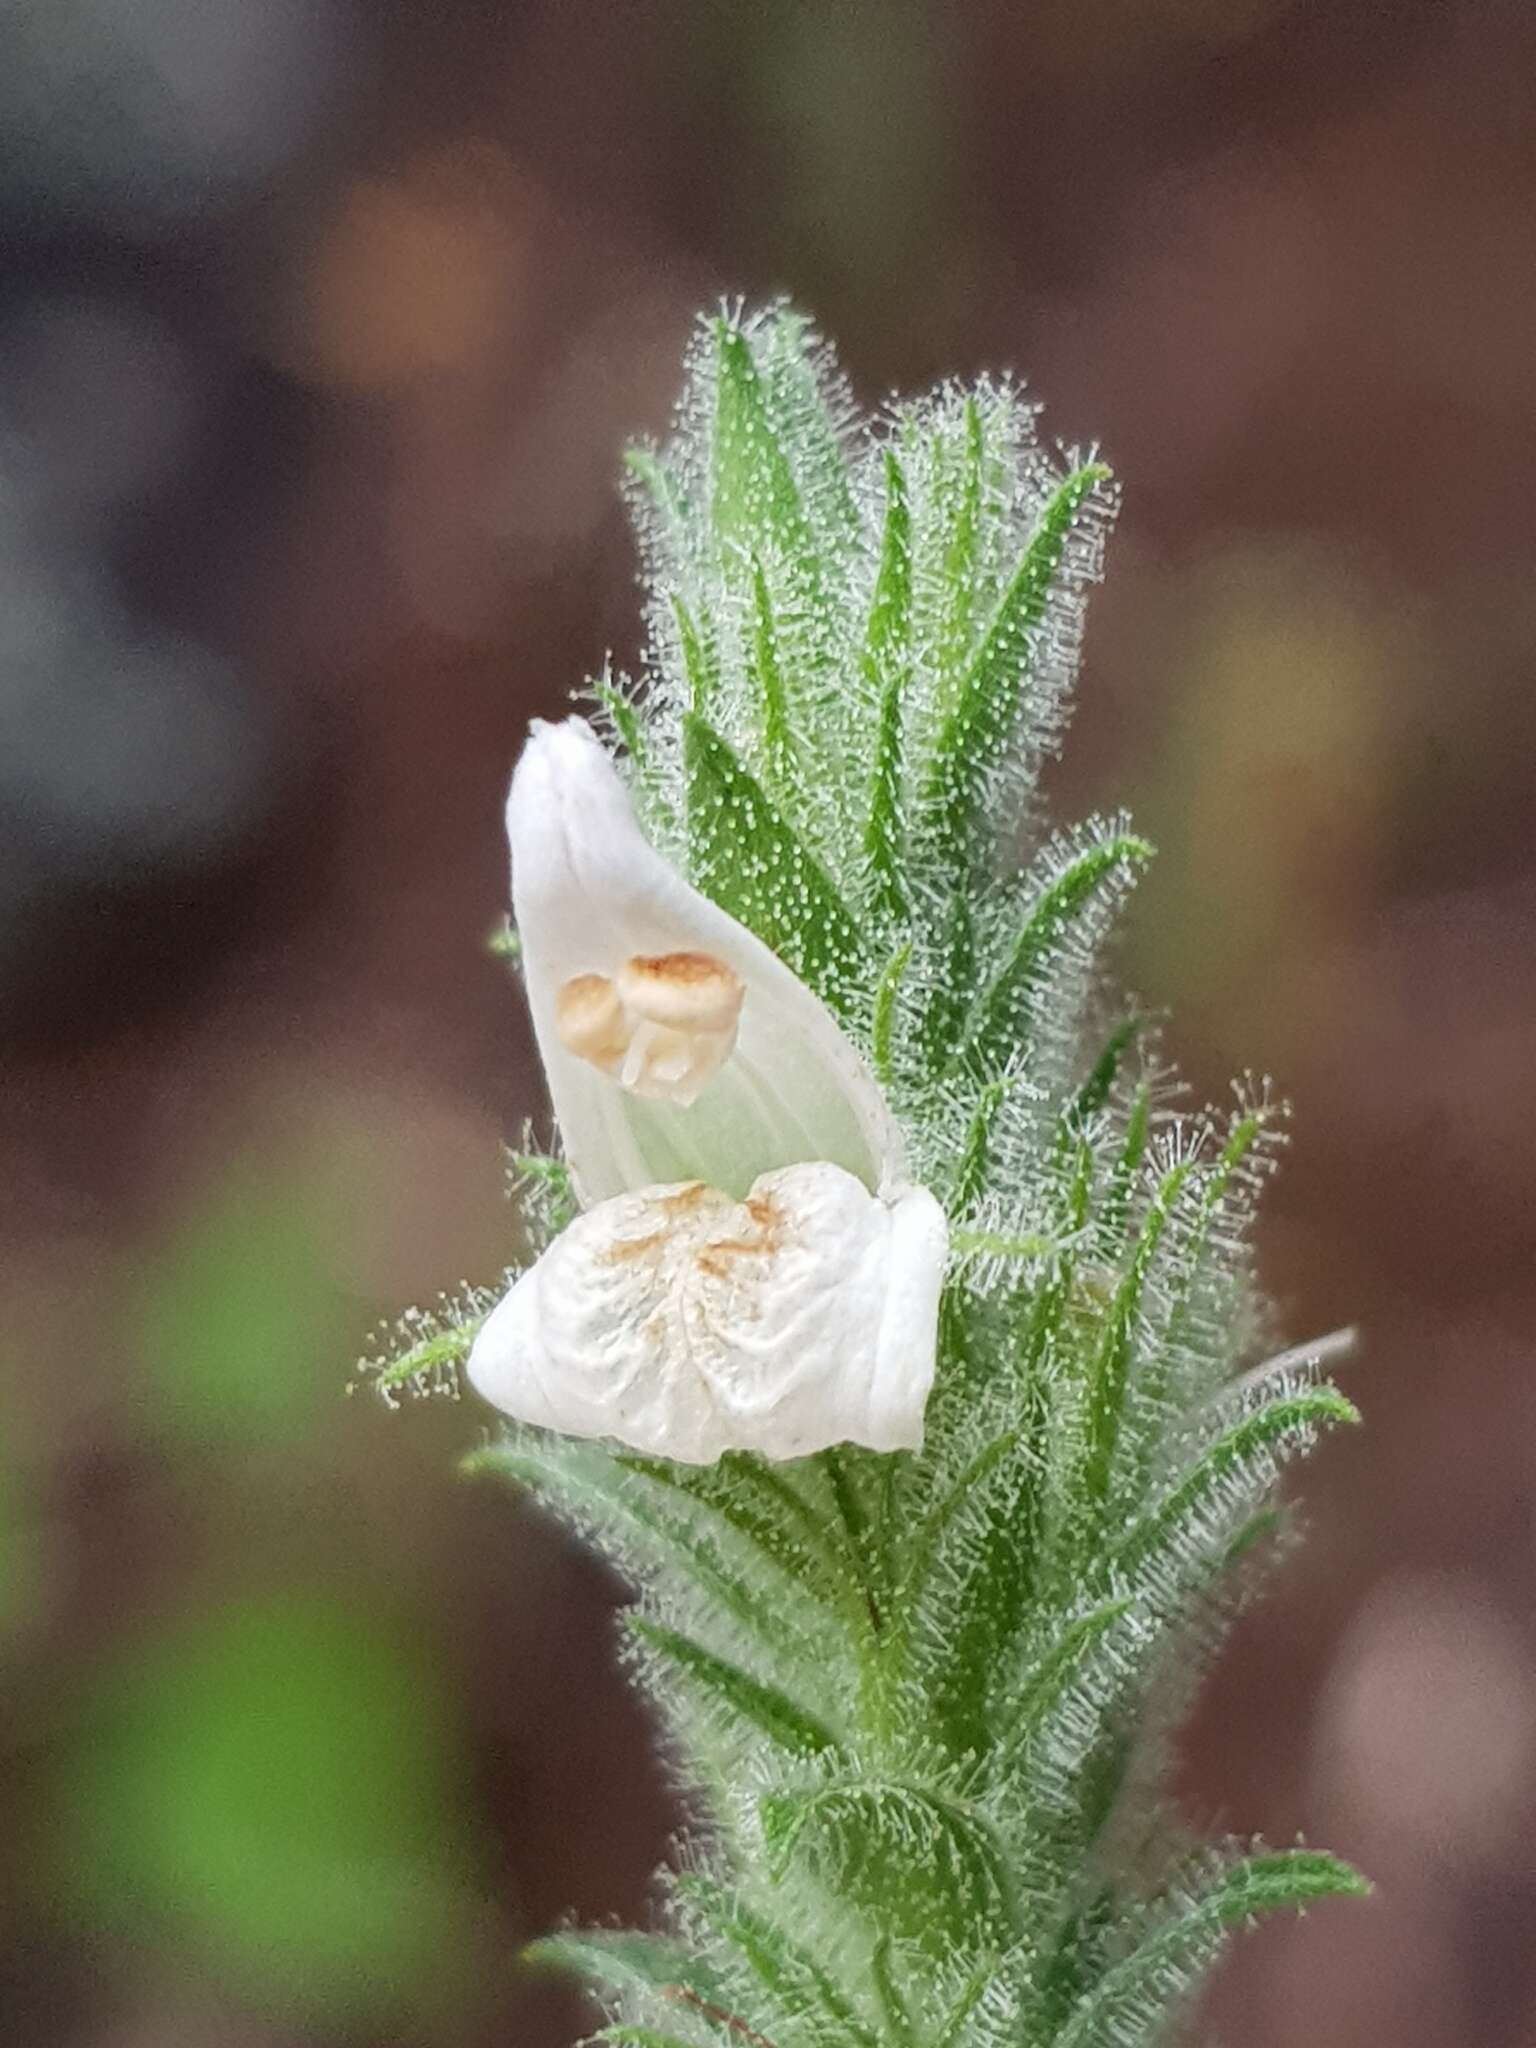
[[240, 1319], [251, 1786], [268, 1788]]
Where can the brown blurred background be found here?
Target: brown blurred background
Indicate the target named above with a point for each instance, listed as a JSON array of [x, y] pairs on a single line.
[[321, 326]]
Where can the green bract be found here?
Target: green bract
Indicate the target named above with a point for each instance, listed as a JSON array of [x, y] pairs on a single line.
[[919, 1699]]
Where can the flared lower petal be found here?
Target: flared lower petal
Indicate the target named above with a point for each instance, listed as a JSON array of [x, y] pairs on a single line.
[[684, 1322]]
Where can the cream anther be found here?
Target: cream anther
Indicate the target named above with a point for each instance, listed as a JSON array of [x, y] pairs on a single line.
[[591, 1021], [687, 991], [663, 1029]]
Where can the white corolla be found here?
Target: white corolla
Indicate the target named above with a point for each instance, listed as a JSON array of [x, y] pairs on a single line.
[[752, 1270]]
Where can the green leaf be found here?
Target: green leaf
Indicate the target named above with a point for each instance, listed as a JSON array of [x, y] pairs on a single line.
[[990, 699], [616, 1964], [809, 403], [1246, 1133], [989, 1594], [886, 666], [658, 483], [1136, 1992], [1109, 1373], [1117, 1199], [623, 2035], [429, 1364], [1094, 1093], [970, 1997], [699, 663], [768, 674], [951, 987], [959, 1495], [973, 1607], [857, 1833], [626, 721], [883, 1028], [1260, 1528], [552, 1176], [843, 1466], [505, 943], [755, 496], [1073, 1960], [1007, 1012], [765, 1707], [804, 1992], [971, 1174], [763, 1508], [1226, 1474], [591, 1490], [893, 2007], [1051, 1676], [959, 504], [755, 866]]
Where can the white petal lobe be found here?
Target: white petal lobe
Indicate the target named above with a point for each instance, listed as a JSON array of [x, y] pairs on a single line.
[[685, 1323], [677, 1045]]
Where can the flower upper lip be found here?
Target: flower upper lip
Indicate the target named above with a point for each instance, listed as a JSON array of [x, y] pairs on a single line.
[[592, 897]]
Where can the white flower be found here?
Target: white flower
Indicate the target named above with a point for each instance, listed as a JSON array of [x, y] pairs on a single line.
[[753, 1271]]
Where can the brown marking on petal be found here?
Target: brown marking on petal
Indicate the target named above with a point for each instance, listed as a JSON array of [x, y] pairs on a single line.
[[695, 1223], [745, 1247], [683, 1201], [766, 1243], [713, 1260], [675, 1208], [627, 1251]]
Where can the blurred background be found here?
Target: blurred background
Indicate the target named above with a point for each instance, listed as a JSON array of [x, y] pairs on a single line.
[[322, 324]]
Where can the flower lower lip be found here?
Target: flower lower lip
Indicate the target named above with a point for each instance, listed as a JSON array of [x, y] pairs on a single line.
[[686, 1323]]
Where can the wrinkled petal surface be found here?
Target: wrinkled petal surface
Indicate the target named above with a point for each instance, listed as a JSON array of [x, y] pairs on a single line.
[[593, 902], [685, 1323]]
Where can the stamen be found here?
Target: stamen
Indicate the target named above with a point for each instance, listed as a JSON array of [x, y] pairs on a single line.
[[589, 1016], [674, 1066], [663, 1029], [685, 991]]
